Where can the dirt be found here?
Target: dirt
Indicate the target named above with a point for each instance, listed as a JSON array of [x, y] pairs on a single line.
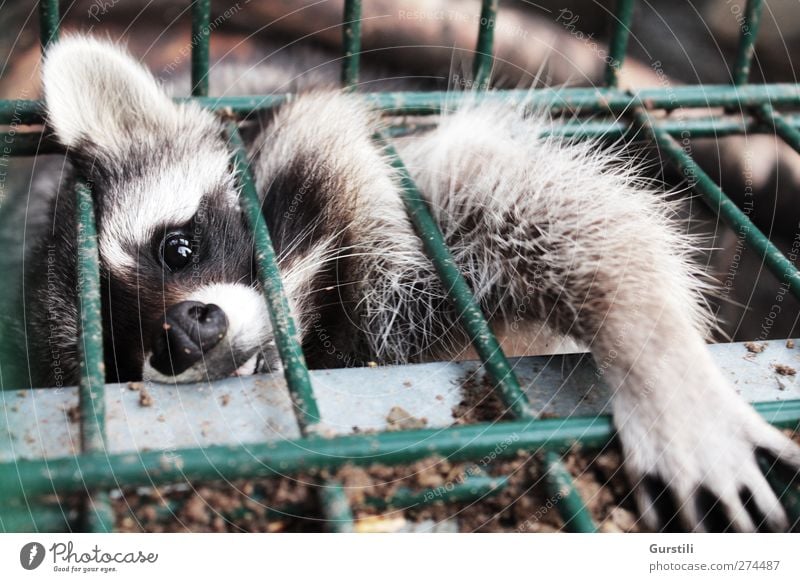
[[145, 399], [755, 348], [784, 369], [400, 419], [480, 402], [74, 413]]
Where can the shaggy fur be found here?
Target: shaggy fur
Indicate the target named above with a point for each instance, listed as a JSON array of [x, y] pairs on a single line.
[[562, 234]]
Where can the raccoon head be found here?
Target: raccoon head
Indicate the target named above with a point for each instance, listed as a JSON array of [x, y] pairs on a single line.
[[180, 298]]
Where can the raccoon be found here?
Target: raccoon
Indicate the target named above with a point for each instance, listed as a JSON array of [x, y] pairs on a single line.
[[571, 231]]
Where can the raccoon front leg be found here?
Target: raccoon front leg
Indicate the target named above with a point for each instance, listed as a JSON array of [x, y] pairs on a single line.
[[573, 235]]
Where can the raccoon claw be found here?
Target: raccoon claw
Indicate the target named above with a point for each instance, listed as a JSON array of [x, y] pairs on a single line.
[[710, 478]]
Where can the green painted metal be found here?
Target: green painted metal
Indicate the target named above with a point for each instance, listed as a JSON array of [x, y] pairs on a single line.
[[748, 33], [475, 324], [201, 36], [783, 125], [91, 388], [563, 495], [587, 100], [44, 517], [36, 143], [470, 442], [618, 44], [286, 337], [716, 199], [351, 40], [471, 489], [49, 20], [482, 63], [336, 508], [30, 478]]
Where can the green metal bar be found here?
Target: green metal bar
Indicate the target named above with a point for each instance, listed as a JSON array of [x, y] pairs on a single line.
[[41, 518], [748, 35], [201, 33], [336, 507], [716, 199], [286, 337], [91, 387], [23, 477], [475, 324], [784, 126], [471, 489], [561, 490], [618, 44], [482, 64], [48, 21], [351, 40], [35, 142], [587, 100], [468, 442]]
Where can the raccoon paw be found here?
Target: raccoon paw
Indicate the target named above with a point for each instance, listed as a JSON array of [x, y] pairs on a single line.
[[698, 466]]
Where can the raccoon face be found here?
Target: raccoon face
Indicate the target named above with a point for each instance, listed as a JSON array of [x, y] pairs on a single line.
[[180, 298]]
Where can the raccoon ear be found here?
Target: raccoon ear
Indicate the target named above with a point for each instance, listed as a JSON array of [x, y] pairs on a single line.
[[97, 95]]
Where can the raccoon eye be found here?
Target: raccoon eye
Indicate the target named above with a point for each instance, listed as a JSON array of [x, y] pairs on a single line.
[[176, 251]]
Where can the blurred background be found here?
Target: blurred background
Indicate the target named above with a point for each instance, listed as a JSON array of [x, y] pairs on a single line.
[[280, 46]]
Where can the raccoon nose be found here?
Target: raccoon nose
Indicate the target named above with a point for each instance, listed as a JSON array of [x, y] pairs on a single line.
[[187, 331]]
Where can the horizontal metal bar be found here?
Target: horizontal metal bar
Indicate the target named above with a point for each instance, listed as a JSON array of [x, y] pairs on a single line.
[[72, 474], [718, 202], [471, 488], [27, 478], [433, 102], [259, 408]]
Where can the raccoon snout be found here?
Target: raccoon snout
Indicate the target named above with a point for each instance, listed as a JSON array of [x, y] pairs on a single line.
[[188, 330]]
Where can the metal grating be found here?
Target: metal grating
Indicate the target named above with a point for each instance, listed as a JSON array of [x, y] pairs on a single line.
[[94, 471]]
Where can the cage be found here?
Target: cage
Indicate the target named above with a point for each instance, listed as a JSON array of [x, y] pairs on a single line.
[[39, 472]]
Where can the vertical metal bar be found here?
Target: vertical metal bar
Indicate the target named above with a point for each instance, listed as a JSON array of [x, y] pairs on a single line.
[[780, 125], [48, 21], [286, 338], [481, 335], [336, 507], [201, 33], [562, 493], [91, 388], [716, 199], [618, 43], [484, 50], [747, 41], [351, 41], [333, 499], [475, 324]]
